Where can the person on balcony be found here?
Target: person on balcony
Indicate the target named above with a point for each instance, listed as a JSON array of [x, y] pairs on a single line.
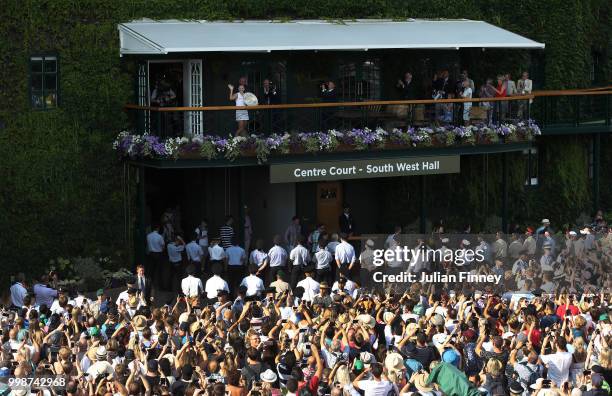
[[467, 106], [270, 96], [488, 91], [524, 87], [242, 116], [407, 89], [164, 96], [328, 95], [510, 91], [501, 91]]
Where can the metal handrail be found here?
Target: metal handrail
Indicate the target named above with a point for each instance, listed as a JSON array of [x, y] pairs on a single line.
[[534, 95]]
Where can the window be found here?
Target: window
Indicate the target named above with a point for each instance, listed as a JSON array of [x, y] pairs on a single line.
[[43, 82]]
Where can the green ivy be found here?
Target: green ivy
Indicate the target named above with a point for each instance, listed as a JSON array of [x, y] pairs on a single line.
[[64, 193]]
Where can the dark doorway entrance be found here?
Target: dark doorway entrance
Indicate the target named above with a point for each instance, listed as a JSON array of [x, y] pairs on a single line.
[[329, 204]]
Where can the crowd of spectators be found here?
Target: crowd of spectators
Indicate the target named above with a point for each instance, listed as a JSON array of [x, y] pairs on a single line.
[[544, 330]]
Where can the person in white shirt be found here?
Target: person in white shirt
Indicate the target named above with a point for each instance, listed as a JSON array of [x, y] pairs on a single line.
[[299, 258], [323, 259], [333, 243], [18, 291], [558, 363], [391, 239], [524, 87], [173, 272], [43, 293], [254, 284], [376, 386], [195, 253], [216, 253], [345, 254], [214, 284], [311, 286], [258, 255], [236, 260], [155, 250], [276, 260], [191, 286], [343, 285]]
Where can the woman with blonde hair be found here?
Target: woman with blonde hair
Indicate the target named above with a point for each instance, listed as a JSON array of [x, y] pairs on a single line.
[[578, 359], [493, 376]]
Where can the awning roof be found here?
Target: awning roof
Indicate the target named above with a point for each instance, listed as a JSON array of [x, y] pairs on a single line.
[[172, 36]]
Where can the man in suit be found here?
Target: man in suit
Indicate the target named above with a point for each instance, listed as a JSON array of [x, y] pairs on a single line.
[[345, 221], [407, 87], [143, 284], [329, 95], [270, 96]]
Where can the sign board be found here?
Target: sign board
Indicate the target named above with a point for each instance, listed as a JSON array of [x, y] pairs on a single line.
[[364, 169]]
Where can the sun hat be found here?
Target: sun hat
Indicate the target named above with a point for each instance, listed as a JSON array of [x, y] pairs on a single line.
[[366, 320], [367, 358], [268, 376], [420, 382], [101, 353], [394, 361], [437, 320], [184, 317], [139, 322]]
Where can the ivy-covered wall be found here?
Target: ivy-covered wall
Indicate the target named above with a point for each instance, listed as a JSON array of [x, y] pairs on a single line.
[[63, 191]]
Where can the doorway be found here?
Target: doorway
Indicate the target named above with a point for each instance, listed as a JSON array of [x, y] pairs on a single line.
[[329, 204]]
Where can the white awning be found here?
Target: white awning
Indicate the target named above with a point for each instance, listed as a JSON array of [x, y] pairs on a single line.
[[172, 36]]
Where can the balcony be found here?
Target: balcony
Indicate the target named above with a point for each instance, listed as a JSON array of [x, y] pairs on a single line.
[[363, 128]]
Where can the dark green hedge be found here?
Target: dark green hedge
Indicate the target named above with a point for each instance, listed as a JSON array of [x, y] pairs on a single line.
[[61, 187]]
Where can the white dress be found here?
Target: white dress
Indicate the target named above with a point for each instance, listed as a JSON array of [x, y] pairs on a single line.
[[241, 115]]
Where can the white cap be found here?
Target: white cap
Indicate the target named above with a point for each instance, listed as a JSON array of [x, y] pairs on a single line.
[[445, 240], [545, 221], [465, 242], [573, 233]]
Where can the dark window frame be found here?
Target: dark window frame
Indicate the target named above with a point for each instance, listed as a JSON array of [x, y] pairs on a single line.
[[43, 57]]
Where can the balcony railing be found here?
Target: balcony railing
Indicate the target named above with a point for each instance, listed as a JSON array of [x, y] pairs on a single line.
[[311, 117], [547, 108]]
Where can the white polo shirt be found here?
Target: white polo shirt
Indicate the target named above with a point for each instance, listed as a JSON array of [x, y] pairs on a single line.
[[258, 257], [345, 253], [194, 251], [277, 256], [299, 255], [213, 284], [236, 256], [18, 292], [191, 286], [311, 288], [175, 252], [155, 242], [254, 285], [216, 253]]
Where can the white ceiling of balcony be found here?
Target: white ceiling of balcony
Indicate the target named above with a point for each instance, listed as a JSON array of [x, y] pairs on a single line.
[[173, 36]]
